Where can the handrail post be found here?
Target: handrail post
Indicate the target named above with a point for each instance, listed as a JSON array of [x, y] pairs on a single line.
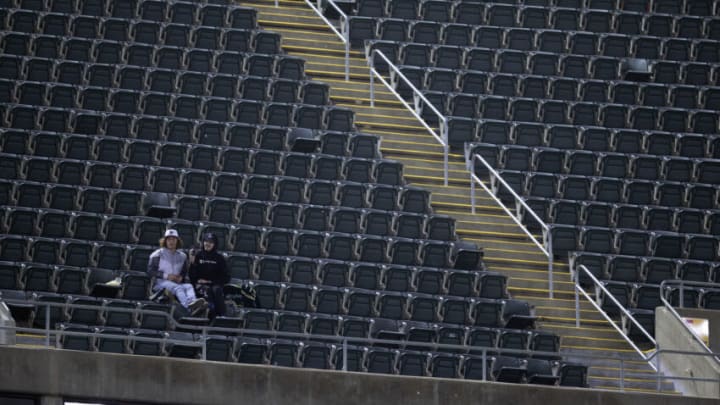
[[47, 325], [551, 287], [576, 287], [472, 187], [444, 130], [446, 152], [345, 359], [346, 32], [372, 79], [682, 294], [659, 370], [204, 346], [484, 364]]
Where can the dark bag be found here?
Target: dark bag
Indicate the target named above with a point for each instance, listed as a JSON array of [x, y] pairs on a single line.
[[241, 295]]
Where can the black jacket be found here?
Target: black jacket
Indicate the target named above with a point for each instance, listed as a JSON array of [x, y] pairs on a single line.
[[209, 266]]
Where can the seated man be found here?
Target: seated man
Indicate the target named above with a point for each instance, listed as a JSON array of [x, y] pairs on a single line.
[[209, 273], [169, 267]]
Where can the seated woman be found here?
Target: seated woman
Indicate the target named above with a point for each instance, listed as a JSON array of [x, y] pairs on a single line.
[[209, 273], [169, 267]]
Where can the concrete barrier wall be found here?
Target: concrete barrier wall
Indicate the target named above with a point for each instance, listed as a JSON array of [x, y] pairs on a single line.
[[671, 334], [713, 318], [58, 373], [7, 336]]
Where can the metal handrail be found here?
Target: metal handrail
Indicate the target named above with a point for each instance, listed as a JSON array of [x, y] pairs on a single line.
[[598, 285], [546, 247], [206, 333], [343, 34], [418, 97], [665, 284], [658, 352], [99, 308]]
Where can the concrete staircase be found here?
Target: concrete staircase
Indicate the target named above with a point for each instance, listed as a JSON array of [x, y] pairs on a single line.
[[507, 249]]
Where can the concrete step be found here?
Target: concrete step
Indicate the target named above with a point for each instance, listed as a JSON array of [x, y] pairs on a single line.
[[360, 85], [537, 274], [490, 231], [320, 66], [354, 98], [24, 339], [283, 19], [616, 343], [559, 287], [318, 52], [566, 329], [407, 146], [413, 167], [265, 7], [391, 117], [397, 112], [512, 247]]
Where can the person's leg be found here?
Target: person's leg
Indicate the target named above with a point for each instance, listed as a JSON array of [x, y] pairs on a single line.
[[216, 297], [186, 294], [180, 291], [162, 284]]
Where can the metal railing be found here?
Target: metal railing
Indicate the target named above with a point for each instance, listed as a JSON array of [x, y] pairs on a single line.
[[419, 102], [496, 183], [655, 356], [206, 333], [343, 34], [599, 287], [667, 285], [58, 333]]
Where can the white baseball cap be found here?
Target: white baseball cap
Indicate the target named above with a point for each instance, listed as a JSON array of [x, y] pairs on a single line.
[[172, 232]]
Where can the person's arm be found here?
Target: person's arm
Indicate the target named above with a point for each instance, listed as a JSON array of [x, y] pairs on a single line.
[[185, 268], [193, 269], [223, 274], [154, 266]]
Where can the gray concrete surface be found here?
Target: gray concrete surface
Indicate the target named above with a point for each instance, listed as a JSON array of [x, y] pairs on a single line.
[[7, 336], [671, 334], [175, 381], [713, 318]]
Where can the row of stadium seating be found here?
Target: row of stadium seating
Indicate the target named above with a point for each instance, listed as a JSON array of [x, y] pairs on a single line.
[[166, 57], [100, 77], [288, 353], [559, 14], [612, 215], [245, 238], [471, 83], [98, 200], [57, 119], [529, 39], [306, 299], [544, 63], [602, 164], [33, 276], [241, 145], [147, 231], [214, 12]]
